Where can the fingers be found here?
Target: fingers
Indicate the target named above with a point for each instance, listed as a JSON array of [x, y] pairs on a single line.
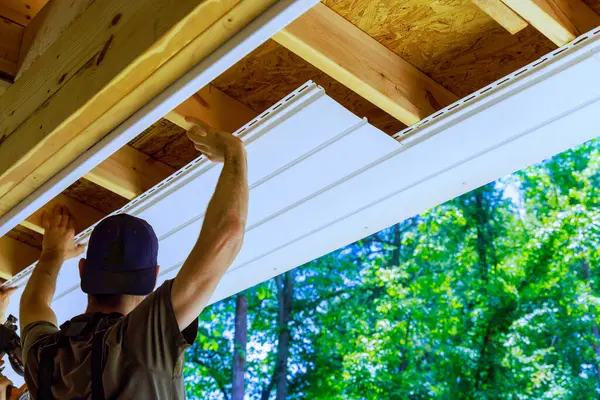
[[76, 251], [45, 221], [57, 215], [60, 217], [9, 291]]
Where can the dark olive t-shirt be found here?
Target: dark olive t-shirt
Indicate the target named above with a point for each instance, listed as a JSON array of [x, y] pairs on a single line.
[[143, 355]]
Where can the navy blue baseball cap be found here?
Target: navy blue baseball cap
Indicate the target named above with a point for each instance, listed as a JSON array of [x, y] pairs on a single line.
[[121, 257]]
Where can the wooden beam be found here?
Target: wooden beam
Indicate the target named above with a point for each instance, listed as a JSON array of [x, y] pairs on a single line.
[[46, 27], [215, 108], [21, 11], [502, 14], [350, 56], [11, 35], [561, 21], [107, 64], [129, 173], [15, 256], [85, 216]]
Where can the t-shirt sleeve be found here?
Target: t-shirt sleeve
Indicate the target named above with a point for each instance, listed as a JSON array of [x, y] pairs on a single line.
[[32, 337], [150, 332]]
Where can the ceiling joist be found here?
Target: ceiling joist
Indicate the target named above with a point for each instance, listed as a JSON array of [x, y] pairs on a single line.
[[561, 21], [335, 46], [104, 67], [502, 14]]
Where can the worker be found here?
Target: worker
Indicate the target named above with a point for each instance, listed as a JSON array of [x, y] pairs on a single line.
[[4, 300], [130, 342]]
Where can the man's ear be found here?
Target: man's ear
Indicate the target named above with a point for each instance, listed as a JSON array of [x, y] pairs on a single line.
[[157, 270], [81, 267]]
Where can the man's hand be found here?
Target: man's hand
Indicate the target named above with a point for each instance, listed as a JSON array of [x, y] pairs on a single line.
[[215, 144], [223, 228], [59, 234], [58, 245], [4, 300]]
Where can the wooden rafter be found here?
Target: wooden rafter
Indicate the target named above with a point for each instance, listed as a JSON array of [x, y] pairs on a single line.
[[347, 54], [559, 20], [14, 256], [503, 14], [90, 79]]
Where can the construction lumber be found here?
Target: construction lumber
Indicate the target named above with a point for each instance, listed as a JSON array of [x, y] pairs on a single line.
[[129, 173], [108, 63], [84, 215], [20, 11], [215, 108], [49, 23], [14, 256], [11, 35], [502, 14], [350, 56], [561, 21]]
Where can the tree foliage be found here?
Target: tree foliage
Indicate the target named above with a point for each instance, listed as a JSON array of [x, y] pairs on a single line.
[[493, 295]]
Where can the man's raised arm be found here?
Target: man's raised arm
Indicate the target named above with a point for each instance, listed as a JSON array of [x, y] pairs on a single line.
[[223, 228], [57, 247]]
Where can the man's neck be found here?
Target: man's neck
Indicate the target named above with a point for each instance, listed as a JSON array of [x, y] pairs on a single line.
[[97, 308]]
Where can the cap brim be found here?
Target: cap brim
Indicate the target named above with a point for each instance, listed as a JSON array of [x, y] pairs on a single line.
[[138, 283]]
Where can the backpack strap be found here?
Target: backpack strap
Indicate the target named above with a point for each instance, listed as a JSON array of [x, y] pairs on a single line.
[[75, 329], [97, 363]]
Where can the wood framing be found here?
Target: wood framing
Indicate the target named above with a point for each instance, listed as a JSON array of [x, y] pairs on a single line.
[[51, 21], [91, 79], [215, 108], [559, 20], [129, 173], [21, 12], [11, 35], [347, 54], [84, 215], [502, 14], [14, 256]]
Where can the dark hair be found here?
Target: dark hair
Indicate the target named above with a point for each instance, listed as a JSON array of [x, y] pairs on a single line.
[[107, 300]]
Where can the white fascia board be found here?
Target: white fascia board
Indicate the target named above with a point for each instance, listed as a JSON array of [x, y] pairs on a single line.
[[257, 32]]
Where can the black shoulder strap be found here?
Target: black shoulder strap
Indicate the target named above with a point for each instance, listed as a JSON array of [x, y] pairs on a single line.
[[100, 324], [98, 354], [97, 364], [46, 367]]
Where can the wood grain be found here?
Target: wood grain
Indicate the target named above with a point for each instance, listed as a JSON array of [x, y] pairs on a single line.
[[14, 256], [271, 72], [46, 27], [85, 109], [95, 196], [503, 14], [350, 56], [559, 20], [84, 215], [21, 11], [11, 35], [129, 173]]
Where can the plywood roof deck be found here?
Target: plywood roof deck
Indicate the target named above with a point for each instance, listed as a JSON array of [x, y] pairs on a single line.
[[453, 42]]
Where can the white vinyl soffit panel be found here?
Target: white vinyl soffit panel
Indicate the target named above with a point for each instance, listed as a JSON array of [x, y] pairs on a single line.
[[321, 178]]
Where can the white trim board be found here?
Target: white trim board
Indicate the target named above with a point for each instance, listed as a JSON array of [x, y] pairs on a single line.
[[257, 32]]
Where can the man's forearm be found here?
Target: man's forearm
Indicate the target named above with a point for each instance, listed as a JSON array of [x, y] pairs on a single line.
[[219, 242], [230, 200], [40, 289]]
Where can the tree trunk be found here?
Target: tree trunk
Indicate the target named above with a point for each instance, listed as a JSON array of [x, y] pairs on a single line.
[[285, 290], [595, 330], [240, 341], [285, 296]]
